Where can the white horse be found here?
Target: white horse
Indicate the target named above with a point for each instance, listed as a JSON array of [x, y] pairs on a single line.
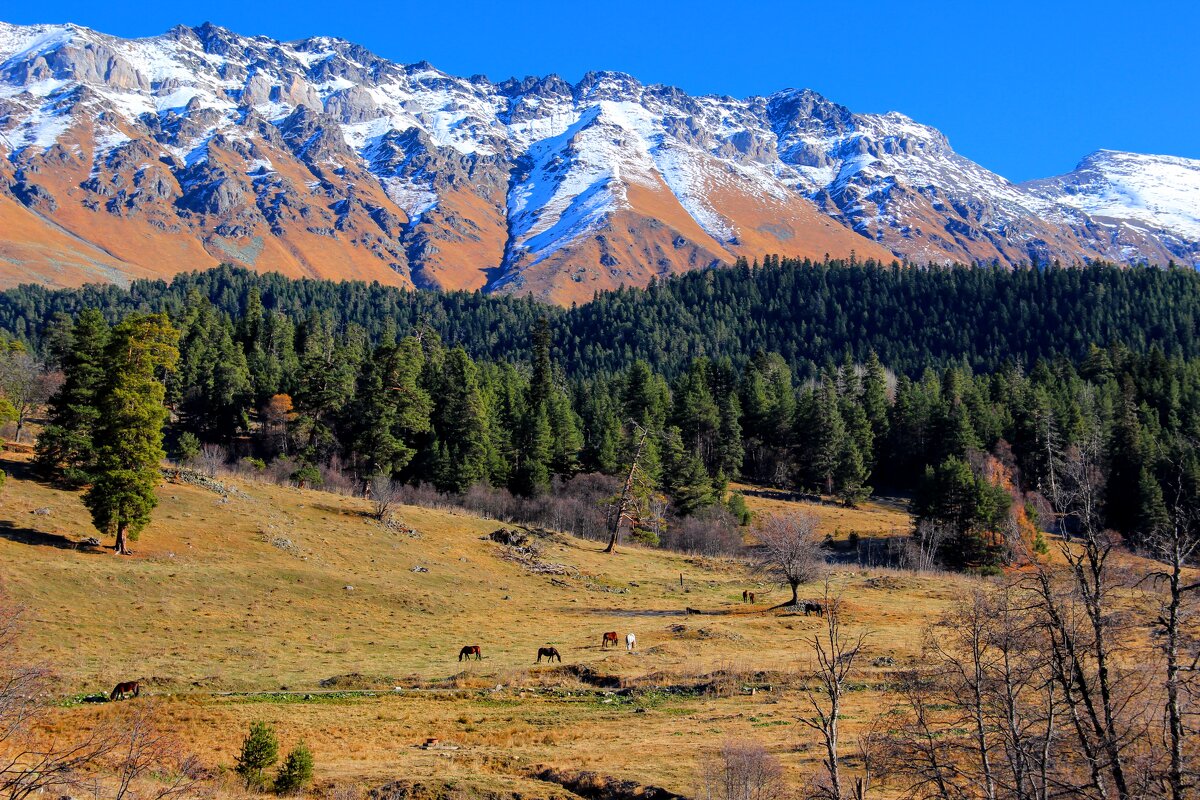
[[630, 642]]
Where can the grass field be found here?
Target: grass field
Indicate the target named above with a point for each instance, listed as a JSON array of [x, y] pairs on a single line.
[[269, 588]]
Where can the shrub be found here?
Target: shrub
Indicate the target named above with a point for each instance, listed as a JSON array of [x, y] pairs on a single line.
[[737, 506], [187, 447], [296, 771], [307, 475], [260, 749]]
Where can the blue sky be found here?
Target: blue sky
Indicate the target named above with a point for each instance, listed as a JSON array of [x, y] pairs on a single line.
[[1024, 88]]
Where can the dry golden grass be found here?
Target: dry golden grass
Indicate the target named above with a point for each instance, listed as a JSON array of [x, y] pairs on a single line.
[[875, 517], [209, 605]]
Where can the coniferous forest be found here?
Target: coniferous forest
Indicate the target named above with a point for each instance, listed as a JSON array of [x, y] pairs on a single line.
[[969, 389]]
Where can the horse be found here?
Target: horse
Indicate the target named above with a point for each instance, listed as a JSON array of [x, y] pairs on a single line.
[[745, 595], [468, 651], [125, 689], [750, 596], [630, 642], [609, 638], [812, 605], [550, 653]]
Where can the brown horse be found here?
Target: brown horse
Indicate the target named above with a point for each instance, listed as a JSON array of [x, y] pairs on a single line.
[[470, 650], [750, 597], [550, 653], [609, 638], [745, 595], [125, 689]]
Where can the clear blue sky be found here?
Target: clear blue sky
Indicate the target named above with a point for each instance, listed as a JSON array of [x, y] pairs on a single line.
[[1024, 88]]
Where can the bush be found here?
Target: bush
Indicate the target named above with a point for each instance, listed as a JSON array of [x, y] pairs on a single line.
[[737, 506], [296, 771], [260, 749], [187, 447], [307, 475]]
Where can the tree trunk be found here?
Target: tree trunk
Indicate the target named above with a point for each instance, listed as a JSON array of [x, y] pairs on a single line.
[[121, 548], [1175, 772], [795, 589], [626, 496]]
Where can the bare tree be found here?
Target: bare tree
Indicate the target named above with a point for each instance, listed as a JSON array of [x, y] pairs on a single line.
[[835, 650], [25, 383], [32, 762], [742, 770], [1081, 626], [925, 544], [383, 493], [627, 504], [148, 762], [788, 550], [1176, 544]]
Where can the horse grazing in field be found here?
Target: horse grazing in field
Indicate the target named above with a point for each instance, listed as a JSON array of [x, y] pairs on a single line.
[[609, 638], [468, 651], [750, 597], [630, 642], [125, 689], [550, 653], [813, 606]]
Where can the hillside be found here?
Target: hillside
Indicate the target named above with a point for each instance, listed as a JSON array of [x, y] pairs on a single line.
[[205, 606], [127, 158]]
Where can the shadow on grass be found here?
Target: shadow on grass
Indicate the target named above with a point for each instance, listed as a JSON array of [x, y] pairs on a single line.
[[631, 612], [21, 535]]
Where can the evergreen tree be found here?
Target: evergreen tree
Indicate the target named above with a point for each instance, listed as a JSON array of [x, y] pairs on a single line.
[[260, 750], [391, 409], [296, 772], [65, 447], [127, 436], [461, 425]]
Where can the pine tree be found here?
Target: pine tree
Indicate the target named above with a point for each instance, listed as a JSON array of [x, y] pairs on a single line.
[[127, 436], [462, 425], [296, 772], [391, 409], [64, 447], [685, 479], [260, 750]]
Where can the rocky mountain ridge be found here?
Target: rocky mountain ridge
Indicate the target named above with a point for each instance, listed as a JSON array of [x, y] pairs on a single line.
[[124, 158]]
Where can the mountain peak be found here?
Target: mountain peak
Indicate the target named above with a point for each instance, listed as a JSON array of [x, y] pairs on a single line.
[[318, 157]]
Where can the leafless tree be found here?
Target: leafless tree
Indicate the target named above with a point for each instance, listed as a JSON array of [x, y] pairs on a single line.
[[835, 650], [212, 457], [149, 763], [626, 510], [925, 544], [1176, 544], [25, 383], [384, 493], [788, 550], [742, 770], [1099, 694], [32, 762]]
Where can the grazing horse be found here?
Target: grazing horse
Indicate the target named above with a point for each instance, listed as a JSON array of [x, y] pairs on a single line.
[[750, 597], [550, 653], [813, 606], [609, 638], [630, 642], [125, 689], [468, 651]]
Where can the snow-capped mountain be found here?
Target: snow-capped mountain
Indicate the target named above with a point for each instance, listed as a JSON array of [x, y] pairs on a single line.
[[124, 158]]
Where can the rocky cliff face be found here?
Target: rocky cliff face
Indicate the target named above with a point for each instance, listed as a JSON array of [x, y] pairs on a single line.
[[129, 158]]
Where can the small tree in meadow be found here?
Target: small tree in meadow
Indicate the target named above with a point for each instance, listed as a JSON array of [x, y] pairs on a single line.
[[260, 750], [296, 771]]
